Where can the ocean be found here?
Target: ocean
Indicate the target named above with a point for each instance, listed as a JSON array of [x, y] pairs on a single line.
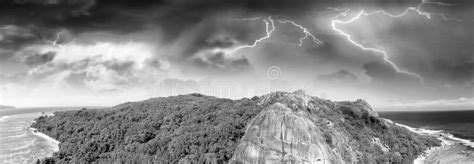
[[18, 142], [458, 123]]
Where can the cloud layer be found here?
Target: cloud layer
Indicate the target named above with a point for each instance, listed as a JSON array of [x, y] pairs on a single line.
[[107, 48]]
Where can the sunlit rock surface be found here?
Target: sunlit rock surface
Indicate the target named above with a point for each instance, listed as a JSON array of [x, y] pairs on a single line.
[[296, 128]]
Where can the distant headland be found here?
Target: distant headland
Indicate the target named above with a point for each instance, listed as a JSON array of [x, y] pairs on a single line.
[[7, 107]]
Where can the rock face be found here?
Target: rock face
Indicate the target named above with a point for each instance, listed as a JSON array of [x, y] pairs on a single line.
[[281, 135], [296, 128]]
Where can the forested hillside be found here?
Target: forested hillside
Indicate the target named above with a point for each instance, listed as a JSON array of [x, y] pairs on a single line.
[[194, 127], [279, 127]]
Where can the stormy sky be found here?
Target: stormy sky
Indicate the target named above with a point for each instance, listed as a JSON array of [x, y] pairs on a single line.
[[397, 54]]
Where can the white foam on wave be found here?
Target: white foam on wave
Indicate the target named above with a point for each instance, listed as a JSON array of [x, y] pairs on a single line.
[[54, 143], [464, 142], [19, 143], [3, 118], [446, 139], [15, 153]]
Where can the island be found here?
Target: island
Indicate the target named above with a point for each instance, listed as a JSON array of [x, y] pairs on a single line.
[[6, 107], [280, 127]]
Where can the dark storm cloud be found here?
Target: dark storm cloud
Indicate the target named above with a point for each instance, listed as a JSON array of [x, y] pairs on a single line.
[[132, 15], [215, 33], [459, 73], [14, 37], [154, 63], [124, 67], [223, 42], [442, 55], [39, 59], [41, 19], [339, 76], [381, 71], [5, 54], [174, 16], [220, 64]]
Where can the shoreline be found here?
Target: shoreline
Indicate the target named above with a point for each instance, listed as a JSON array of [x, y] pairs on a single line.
[[452, 149], [22, 143], [53, 142], [445, 137]]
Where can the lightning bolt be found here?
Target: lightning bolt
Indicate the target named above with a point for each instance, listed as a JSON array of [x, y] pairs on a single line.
[[305, 31], [269, 28], [345, 11], [418, 10], [384, 53], [55, 42]]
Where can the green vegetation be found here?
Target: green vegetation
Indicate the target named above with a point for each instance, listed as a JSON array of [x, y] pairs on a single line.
[[195, 127]]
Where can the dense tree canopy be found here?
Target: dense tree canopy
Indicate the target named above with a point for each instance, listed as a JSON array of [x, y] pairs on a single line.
[[194, 127], [198, 128]]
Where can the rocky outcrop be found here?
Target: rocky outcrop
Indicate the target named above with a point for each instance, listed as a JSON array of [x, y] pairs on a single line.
[[280, 127], [281, 135], [297, 128]]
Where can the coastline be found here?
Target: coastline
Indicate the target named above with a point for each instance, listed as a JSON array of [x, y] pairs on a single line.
[[452, 149], [53, 142], [21, 143]]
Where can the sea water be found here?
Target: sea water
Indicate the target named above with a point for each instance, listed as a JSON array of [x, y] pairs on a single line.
[[455, 130], [458, 123], [18, 142]]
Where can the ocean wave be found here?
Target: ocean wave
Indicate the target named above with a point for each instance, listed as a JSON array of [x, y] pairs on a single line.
[[53, 143], [3, 118], [464, 142], [446, 139], [19, 143], [13, 136], [15, 154]]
